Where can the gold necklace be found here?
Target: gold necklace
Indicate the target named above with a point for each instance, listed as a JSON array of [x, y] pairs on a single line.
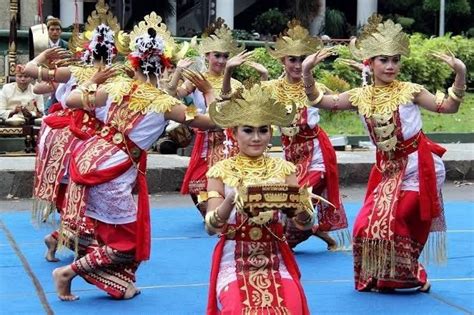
[[383, 100], [250, 170], [288, 93]]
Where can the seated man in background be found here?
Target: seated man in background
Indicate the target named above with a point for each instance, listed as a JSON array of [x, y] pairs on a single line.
[[18, 104]]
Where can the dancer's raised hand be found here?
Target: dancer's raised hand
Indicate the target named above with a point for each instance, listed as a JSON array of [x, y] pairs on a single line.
[[456, 64], [312, 60]]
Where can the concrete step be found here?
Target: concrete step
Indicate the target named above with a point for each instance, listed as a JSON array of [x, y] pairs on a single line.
[[165, 172]]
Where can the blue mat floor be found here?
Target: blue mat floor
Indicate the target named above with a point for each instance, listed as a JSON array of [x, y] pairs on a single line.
[[175, 280]]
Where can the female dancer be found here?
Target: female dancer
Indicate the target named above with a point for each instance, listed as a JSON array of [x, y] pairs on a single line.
[[63, 129], [403, 201], [107, 167], [217, 46], [253, 268], [304, 142]]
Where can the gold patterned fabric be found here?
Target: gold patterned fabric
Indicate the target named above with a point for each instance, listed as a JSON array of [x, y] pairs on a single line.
[[380, 39], [144, 97], [287, 93], [241, 170], [383, 100]]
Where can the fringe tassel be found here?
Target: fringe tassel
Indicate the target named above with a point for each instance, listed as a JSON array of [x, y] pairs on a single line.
[[43, 212], [343, 239], [377, 257], [68, 239], [435, 250]]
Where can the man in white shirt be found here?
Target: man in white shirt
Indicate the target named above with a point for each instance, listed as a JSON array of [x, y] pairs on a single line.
[[18, 103]]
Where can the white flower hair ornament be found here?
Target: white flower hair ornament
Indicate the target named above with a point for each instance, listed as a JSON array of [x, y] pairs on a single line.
[[102, 41], [149, 54]]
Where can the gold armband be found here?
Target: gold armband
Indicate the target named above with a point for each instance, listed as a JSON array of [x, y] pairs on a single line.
[[190, 113], [206, 195], [317, 100]]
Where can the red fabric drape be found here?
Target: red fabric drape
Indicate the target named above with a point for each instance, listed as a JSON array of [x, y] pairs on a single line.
[[97, 177], [194, 160], [330, 164], [428, 190], [429, 200]]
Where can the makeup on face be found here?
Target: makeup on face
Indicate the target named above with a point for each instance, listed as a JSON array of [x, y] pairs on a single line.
[[253, 141]]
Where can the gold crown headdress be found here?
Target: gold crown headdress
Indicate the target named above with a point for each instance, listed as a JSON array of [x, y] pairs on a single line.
[[218, 37], [380, 39], [251, 107], [296, 41], [155, 22], [101, 15]]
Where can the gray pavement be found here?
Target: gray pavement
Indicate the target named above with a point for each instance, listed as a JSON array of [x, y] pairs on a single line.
[[165, 172]]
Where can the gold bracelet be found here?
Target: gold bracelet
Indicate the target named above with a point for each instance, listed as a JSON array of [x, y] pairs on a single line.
[[225, 95], [91, 100], [206, 195], [454, 96], [459, 92], [208, 220], [217, 217], [40, 74], [51, 73]]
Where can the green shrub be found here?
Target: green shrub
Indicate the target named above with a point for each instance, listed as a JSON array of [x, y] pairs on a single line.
[[419, 67], [334, 82], [245, 73], [271, 22]]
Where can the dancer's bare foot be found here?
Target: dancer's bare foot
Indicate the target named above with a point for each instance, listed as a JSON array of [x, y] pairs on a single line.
[[51, 245], [132, 291], [62, 279], [425, 288], [332, 244]]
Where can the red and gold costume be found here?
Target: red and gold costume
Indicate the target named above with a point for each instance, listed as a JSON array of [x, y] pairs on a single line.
[[403, 200], [253, 269], [61, 132], [306, 144], [64, 129], [209, 146], [108, 168]]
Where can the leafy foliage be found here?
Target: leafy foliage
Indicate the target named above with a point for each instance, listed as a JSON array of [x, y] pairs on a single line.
[[272, 22], [335, 23], [245, 73]]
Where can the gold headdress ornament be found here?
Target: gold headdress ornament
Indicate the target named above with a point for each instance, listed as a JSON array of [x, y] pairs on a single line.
[[218, 37], [155, 22], [251, 107], [380, 39], [296, 41], [101, 15]]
